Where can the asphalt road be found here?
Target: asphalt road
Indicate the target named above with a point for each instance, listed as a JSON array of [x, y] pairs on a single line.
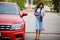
[[51, 23], [43, 37]]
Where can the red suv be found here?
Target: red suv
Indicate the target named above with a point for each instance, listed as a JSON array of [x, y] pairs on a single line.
[[12, 25]]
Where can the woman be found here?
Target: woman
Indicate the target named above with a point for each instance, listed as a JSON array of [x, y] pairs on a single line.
[[39, 13]]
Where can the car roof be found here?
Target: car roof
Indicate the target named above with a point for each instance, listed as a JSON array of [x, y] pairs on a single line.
[[8, 2]]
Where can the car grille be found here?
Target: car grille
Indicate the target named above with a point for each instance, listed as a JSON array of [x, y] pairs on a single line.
[[5, 27]]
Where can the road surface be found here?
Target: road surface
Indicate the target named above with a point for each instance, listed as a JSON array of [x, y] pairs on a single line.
[[51, 22], [51, 25]]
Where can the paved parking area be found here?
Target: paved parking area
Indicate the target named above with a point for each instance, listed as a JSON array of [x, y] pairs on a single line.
[[51, 22], [51, 25], [43, 37]]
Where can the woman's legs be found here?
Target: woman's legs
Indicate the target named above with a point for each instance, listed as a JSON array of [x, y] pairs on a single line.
[[37, 34], [38, 28]]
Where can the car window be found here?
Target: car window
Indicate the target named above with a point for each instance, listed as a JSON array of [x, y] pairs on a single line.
[[9, 9]]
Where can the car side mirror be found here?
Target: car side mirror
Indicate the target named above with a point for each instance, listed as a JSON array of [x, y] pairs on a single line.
[[24, 14]]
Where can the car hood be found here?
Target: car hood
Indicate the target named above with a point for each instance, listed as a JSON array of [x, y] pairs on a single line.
[[10, 19]]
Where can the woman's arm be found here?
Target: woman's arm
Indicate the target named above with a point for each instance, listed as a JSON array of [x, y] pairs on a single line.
[[43, 12], [36, 14]]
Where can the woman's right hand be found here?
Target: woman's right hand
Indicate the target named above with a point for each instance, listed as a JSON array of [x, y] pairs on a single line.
[[40, 15]]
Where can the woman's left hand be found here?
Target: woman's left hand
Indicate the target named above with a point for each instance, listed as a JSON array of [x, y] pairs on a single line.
[[43, 29]]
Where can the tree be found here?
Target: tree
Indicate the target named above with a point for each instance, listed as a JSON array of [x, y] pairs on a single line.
[[21, 3], [36, 1], [1, 0], [56, 5]]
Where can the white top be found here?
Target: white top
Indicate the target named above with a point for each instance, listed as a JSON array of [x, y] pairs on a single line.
[[38, 12], [42, 11]]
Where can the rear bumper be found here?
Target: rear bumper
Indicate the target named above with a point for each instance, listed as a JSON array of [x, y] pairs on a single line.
[[13, 35]]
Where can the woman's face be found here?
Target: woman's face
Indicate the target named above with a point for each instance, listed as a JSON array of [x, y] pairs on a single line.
[[40, 6]]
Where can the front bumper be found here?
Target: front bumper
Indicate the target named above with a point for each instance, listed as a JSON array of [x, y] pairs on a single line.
[[13, 35], [4, 38]]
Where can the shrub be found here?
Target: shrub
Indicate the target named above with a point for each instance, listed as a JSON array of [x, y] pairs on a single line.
[[21, 4]]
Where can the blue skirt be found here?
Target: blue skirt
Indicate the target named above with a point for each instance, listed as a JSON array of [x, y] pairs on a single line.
[[39, 24]]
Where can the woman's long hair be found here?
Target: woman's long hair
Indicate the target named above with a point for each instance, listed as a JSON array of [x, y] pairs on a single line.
[[40, 3]]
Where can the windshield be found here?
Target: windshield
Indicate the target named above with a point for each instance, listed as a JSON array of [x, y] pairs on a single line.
[[8, 9]]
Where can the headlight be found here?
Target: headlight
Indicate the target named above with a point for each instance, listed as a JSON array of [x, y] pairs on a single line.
[[17, 26]]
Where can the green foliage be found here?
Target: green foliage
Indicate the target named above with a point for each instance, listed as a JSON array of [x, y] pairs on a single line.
[[21, 3], [46, 2], [36, 1], [56, 5], [1, 0]]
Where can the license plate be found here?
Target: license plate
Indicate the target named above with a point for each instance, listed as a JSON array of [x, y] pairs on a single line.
[[0, 34]]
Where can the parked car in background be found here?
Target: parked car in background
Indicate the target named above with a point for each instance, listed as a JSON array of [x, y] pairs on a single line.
[[12, 24]]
